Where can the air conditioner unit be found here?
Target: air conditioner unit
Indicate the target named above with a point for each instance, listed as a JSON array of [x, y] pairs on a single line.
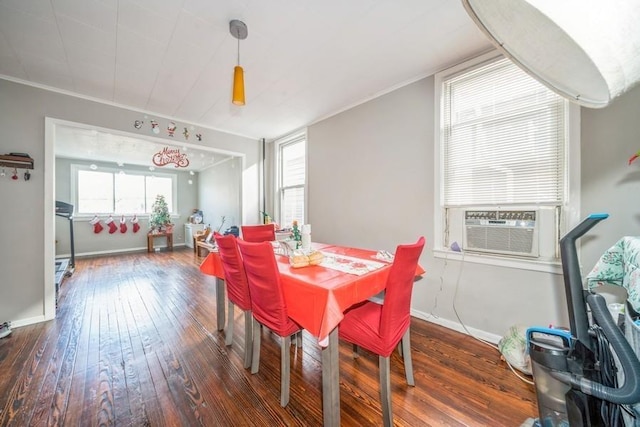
[[508, 232]]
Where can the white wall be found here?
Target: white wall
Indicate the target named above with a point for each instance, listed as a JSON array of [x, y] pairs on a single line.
[[371, 185], [23, 109]]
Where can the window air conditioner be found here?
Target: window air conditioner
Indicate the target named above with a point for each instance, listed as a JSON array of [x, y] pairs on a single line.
[[509, 232]]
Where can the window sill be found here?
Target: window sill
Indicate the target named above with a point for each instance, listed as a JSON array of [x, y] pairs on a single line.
[[545, 266], [89, 217]]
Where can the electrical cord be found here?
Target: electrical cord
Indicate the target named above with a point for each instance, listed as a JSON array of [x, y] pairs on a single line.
[[455, 310], [435, 301]]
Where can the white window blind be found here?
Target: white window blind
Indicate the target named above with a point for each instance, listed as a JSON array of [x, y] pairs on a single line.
[[503, 138], [292, 158]]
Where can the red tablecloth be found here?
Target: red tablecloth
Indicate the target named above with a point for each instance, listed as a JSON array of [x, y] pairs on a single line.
[[316, 296]]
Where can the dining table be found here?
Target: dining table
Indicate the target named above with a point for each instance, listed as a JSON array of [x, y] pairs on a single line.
[[317, 297]]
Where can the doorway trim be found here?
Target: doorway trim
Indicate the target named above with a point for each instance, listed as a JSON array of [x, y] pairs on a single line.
[[50, 127]]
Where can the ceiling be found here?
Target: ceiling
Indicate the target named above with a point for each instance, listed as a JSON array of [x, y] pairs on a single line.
[[89, 144], [303, 59]]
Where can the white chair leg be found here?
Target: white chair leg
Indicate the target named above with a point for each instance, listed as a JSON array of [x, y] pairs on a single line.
[[285, 371], [385, 391], [299, 338], [228, 332], [255, 361], [248, 340], [406, 354]]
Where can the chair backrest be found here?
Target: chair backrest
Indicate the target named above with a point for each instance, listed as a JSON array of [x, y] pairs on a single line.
[[395, 316], [234, 274], [267, 299], [259, 233]]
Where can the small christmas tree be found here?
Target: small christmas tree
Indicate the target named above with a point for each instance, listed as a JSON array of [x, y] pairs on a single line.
[[159, 217]]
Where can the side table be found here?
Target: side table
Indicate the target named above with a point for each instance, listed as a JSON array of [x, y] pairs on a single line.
[[151, 236]]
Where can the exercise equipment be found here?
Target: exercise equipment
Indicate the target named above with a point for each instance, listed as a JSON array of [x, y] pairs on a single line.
[[65, 210]]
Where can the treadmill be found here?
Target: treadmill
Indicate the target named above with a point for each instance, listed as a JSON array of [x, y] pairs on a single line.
[[65, 267]]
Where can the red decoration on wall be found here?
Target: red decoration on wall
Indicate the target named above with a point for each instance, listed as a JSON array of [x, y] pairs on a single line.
[[112, 226], [95, 222], [134, 221], [170, 155], [171, 129]]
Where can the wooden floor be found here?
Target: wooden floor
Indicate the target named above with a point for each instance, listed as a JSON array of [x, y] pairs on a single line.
[[135, 343]]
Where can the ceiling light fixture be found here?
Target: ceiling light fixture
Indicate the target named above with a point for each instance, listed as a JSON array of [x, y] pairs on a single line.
[[238, 29], [585, 50]]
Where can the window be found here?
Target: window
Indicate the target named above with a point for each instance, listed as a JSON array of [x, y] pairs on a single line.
[[503, 138], [107, 191], [291, 154], [503, 144]]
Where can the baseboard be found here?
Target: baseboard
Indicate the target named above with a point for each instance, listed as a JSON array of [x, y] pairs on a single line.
[[456, 326], [114, 252], [28, 321]]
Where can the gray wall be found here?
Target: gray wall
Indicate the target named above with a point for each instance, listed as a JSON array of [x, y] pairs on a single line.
[[221, 193], [609, 137], [89, 243], [24, 210], [371, 184]]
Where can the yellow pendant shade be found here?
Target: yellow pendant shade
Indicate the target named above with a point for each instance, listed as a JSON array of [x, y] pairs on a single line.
[[238, 85]]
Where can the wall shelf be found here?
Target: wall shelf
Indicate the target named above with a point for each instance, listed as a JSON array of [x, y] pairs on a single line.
[[16, 161]]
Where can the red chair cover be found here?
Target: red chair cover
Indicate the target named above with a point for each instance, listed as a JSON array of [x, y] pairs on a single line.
[[259, 233], [234, 274], [267, 300], [379, 328]]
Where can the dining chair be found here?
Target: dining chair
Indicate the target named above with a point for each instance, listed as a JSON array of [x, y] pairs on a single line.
[[268, 307], [380, 327], [237, 290], [259, 233]]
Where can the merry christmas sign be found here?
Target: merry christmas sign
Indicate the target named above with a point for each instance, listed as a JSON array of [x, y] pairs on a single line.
[[170, 155]]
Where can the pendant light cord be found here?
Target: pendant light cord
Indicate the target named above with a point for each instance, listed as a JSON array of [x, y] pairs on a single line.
[[238, 37]]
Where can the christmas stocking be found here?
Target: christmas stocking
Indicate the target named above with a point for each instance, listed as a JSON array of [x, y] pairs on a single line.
[[134, 221], [112, 226], [97, 227], [123, 224]]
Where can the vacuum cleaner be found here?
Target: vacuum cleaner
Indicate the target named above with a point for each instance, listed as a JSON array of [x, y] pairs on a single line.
[[584, 376]]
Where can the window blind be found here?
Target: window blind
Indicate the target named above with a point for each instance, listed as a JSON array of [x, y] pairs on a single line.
[[503, 138], [292, 178]]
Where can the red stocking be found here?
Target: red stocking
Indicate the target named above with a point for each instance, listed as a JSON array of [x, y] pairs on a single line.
[[123, 224], [112, 225], [134, 221], [97, 227]]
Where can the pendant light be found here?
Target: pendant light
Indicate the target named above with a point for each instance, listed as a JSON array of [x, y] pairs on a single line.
[[238, 29], [585, 50]]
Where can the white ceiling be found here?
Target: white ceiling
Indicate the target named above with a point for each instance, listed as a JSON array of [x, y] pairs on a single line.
[[303, 59], [73, 142]]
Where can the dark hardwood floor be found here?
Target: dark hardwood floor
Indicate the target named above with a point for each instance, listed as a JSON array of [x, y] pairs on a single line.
[[135, 343]]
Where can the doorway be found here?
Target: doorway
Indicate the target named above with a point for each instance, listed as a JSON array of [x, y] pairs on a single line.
[[82, 145]]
